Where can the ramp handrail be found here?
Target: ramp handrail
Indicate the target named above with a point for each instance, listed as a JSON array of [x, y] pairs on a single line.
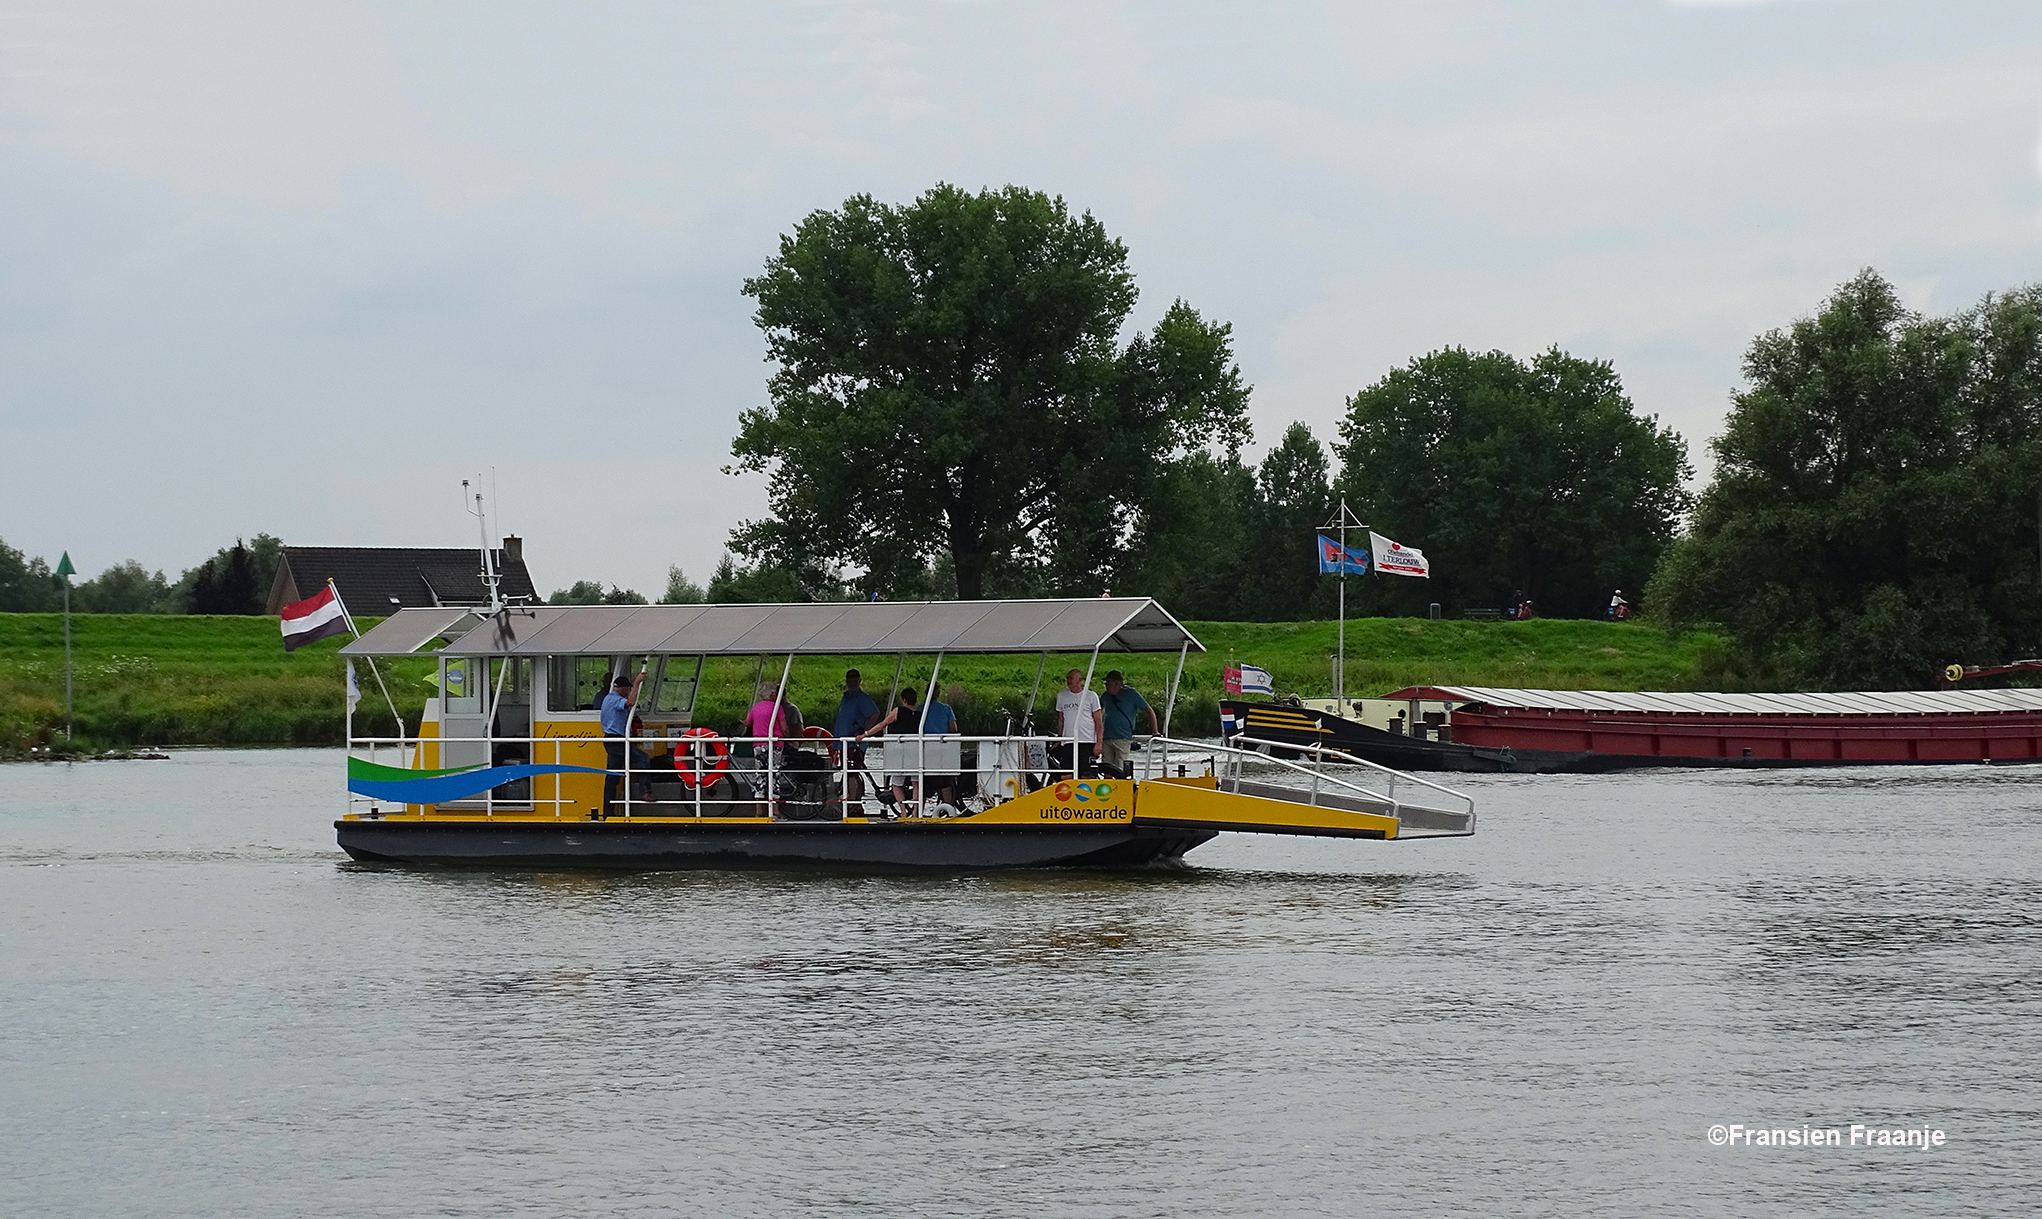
[[1318, 776], [1395, 774]]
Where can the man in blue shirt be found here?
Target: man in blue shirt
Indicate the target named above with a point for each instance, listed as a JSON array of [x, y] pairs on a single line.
[[937, 718], [855, 713], [616, 715], [1119, 706]]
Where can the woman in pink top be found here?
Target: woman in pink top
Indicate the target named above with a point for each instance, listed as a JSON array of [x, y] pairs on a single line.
[[766, 720]]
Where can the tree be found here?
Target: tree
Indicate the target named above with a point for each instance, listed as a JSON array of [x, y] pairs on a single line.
[[226, 584], [680, 590], [950, 384], [1191, 543], [26, 585], [1294, 499], [1220, 541], [758, 583], [124, 588], [590, 592], [1539, 476], [260, 557], [1873, 511]]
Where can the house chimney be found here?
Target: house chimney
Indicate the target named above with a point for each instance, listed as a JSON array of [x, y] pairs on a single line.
[[513, 549]]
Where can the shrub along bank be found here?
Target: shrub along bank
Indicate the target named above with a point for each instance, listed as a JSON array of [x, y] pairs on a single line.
[[148, 679]]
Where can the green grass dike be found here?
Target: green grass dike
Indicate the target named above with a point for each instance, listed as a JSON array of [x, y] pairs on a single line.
[[149, 679]]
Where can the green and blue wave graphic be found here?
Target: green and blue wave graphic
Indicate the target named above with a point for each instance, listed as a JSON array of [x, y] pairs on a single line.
[[401, 786]]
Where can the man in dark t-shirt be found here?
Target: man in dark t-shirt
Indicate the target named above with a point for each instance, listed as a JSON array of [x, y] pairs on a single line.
[[1119, 705]]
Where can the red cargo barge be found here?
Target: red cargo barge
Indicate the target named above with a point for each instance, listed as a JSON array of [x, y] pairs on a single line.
[[1487, 729], [1709, 729]]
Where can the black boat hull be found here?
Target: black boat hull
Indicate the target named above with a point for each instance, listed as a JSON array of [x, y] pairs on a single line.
[[664, 846]]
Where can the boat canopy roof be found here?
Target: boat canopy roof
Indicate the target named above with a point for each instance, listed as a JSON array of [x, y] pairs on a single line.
[[825, 628], [1887, 702], [408, 630]]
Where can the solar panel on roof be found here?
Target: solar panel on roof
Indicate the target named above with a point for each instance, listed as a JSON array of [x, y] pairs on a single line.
[[406, 631], [645, 629]]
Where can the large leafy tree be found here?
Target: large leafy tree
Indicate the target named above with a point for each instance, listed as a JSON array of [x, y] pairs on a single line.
[[1536, 476], [1873, 512], [952, 392]]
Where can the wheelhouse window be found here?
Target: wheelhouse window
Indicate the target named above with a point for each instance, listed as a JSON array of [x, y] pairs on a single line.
[[576, 683], [460, 687], [679, 676]]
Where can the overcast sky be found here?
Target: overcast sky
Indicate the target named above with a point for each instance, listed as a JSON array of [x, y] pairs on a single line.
[[300, 268]]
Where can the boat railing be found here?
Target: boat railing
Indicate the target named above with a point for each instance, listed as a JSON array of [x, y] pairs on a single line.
[[780, 776], [920, 766], [1228, 763]]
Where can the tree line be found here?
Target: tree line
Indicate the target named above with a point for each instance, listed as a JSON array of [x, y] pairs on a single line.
[[235, 580], [959, 407]]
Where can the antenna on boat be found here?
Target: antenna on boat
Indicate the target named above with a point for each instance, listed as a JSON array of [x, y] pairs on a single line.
[[491, 580]]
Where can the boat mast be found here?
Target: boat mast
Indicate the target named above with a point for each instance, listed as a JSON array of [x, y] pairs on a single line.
[[491, 580]]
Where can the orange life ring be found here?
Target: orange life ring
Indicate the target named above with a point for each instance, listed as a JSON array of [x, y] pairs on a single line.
[[689, 751], [816, 732]]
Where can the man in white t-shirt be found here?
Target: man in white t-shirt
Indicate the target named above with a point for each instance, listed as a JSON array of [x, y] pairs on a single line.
[[1081, 722]]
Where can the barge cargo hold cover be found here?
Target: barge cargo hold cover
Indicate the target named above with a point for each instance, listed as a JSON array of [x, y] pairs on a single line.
[[1603, 729]]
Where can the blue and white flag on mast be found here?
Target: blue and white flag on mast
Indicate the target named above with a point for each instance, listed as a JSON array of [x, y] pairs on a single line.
[[1335, 557]]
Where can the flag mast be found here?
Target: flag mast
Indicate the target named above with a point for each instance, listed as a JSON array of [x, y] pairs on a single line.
[[1341, 521]]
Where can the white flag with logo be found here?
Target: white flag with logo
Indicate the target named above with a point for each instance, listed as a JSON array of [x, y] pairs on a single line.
[[1395, 560]]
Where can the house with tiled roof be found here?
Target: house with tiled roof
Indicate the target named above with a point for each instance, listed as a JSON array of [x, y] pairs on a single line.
[[375, 581]]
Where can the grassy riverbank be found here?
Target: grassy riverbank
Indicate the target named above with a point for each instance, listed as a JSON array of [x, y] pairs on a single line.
[[149, 679]]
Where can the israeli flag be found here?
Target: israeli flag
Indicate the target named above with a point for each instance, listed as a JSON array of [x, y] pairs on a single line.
[[1256, 681]]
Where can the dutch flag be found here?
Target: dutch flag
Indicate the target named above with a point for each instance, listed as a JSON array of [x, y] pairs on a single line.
[[314, 618]]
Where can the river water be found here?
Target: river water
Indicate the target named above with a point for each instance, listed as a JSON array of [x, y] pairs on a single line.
[[205, 1009]]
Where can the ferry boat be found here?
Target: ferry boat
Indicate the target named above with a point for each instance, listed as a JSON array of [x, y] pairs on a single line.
[[509, 765], [1468, 728]]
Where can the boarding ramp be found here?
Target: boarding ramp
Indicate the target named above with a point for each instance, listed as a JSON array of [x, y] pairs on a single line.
[[1331, 793]]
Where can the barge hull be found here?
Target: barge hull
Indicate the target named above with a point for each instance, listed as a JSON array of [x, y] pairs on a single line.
[[668, 846], [1487, 733]]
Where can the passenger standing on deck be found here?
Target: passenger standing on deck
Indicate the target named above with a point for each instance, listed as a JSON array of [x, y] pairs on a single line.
[[904, 720], [768, 720], [1118, 706], [616, 716], [855, 713], [1081, 727]]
